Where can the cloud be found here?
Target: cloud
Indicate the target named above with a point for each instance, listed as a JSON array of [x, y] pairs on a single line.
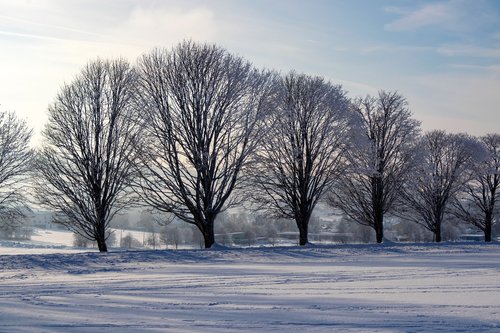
[[452, 15], [486, 68], [47, 44], [32, 24], [391, 48], [162, 26], [432, 14], [30, 36], [459, 102], [453, 50]]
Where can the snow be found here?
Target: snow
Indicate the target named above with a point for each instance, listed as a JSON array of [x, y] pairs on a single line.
[[43, 241], [53, 237], [344, 288]]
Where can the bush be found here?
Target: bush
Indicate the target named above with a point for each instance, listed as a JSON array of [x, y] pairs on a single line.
[[129, 242], [80, 241]]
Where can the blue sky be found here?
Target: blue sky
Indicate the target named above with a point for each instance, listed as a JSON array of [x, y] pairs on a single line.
[[444, 56]]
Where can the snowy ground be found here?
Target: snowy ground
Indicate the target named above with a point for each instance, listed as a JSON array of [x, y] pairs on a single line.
[[348, 288], [44, 241]]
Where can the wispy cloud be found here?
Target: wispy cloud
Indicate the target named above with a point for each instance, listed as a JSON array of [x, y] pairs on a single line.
[[454, 50], [357, 88], [157, 24], [453, 15], [33, 36], [486, 68], [32, 24], [377, 48], [459, 102], [431, 14]]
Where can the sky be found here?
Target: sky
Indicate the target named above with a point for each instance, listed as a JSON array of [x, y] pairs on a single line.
[[443, 56]]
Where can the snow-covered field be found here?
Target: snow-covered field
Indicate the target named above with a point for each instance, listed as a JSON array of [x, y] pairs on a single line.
[[44, 241], [345, 288]]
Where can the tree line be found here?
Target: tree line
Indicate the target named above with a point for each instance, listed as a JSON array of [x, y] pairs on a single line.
[[193, 130]]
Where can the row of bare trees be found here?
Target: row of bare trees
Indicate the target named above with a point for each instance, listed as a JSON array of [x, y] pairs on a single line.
[[194, 130]]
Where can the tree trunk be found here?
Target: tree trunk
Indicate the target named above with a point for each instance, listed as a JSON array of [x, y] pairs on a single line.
[[378, 208], [209, 238], [437, 234], [487, 228], [101, 233], [303, 234], [101, 244], [379, 231], [207, 231], [379, 224], [302, 222]]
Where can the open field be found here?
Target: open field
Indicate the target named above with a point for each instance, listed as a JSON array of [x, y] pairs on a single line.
[[345, 288]]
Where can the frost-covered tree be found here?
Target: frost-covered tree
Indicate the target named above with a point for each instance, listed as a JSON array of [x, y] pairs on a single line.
[[478, 202], [85, 164], [15, 163], [443, 170], [380, 160], [301, 153], [201, 107]]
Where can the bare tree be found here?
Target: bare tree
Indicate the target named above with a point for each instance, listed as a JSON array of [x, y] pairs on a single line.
[[301, 153], [201, 109], [15, 163], [85, 165], [442, 171], [380, 159], [477, 204]]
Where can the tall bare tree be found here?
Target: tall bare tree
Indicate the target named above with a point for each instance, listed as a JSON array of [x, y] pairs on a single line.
[[201, 108], [85, 164], [15, 163], [301, 153], [443, 170], [380, 159], [478, 203]]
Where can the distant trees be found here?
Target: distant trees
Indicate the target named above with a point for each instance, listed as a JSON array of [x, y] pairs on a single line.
[[477, 204], [85, 164], [16, 158], [379, 160], [301, 152], [442, 171], [200, 109]]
